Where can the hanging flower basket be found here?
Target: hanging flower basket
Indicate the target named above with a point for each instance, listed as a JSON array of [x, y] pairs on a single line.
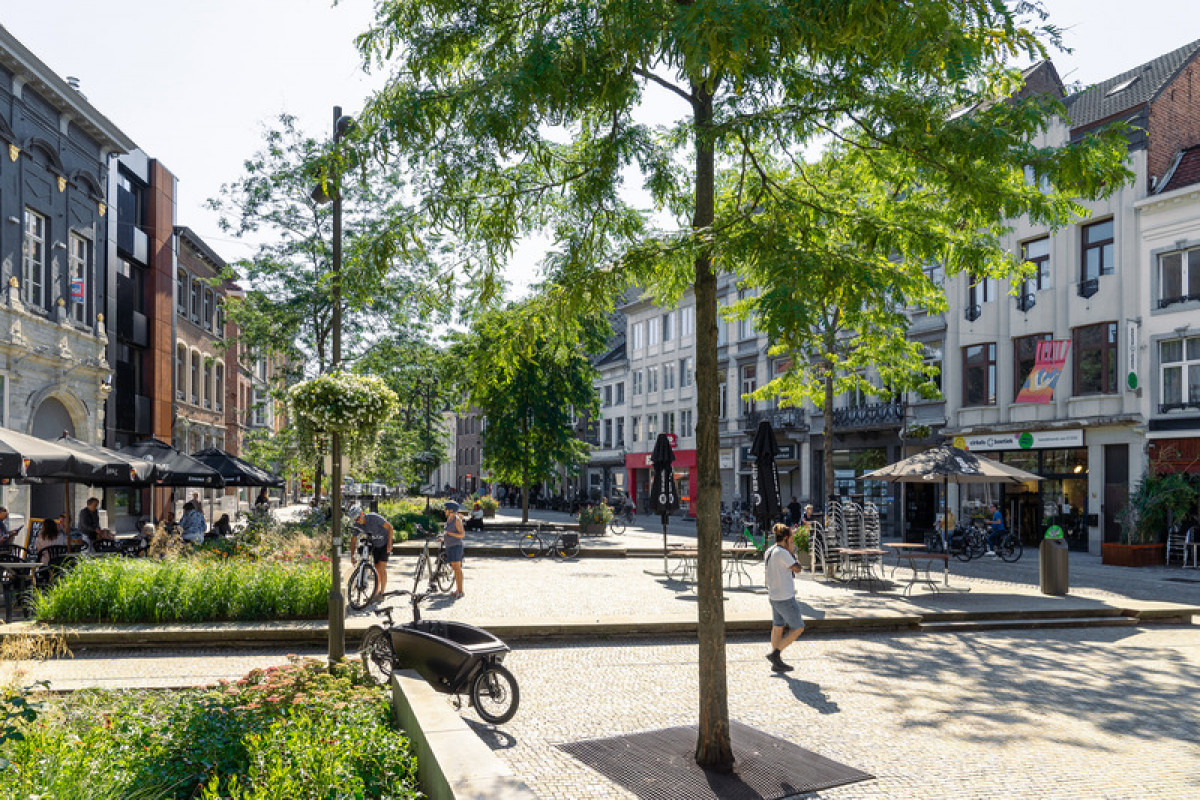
[[355, 406]]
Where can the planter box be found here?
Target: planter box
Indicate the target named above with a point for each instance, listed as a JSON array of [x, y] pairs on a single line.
[[489, 514], [1133, 555], [804, 559], [593, 528]]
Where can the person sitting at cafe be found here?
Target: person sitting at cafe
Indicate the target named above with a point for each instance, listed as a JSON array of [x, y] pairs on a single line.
[[263, 501], [222, 528], [475, 521], [168, 522], [192, 524], [89, 522], [5, 533], [51, 535]]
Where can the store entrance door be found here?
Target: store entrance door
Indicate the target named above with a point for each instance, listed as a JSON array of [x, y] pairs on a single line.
[[1116, 489]]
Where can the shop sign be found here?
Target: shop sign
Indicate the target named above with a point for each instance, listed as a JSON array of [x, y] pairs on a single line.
[[726, 459], [1131, 357], [787, 452], [1027, 440]]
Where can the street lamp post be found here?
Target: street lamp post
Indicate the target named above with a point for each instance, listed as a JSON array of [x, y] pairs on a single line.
[[337, 605]]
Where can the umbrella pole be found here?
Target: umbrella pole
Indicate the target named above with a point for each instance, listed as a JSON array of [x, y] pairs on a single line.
[[946, 587], [664, 527]]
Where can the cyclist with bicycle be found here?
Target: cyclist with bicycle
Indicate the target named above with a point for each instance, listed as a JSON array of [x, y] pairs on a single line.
[[998, 530], [379, 532]]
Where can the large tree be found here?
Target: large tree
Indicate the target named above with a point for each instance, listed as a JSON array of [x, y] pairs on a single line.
[[530, 376], [519, 116]]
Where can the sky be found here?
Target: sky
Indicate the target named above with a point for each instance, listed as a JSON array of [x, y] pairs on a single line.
[[195, 82]]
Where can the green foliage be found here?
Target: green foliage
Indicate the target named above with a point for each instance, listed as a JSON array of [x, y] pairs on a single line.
[[596, 514], [488, 504], [1157, 502], [800, 538], [356, 406], [297, 731], [186, 590]]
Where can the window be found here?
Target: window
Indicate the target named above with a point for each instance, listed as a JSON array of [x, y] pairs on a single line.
[[687, 372], [651, 380], [668, 422], [182, 287], [1179, 362], [1024, 358], [1037, 253], [635, 429], [933, 358], [936, 274], [620, 442], [79, 258], [260, 407], [749, 384], [981, 290], [209, 308], [1096, 359], [636, 381], [181, 360], [219, 387], [636, 334], [197, 291], [195, 392], [220, 331], [33, 261], [1179, 277], [1097, 250], [208, 378], [722, 330], [655, 331], [685, 423], [668, 376], [687, 322], [607, 395], [723, 402], [668, 326], [651, 426], [608, 432], [619, 400], [979, 375]]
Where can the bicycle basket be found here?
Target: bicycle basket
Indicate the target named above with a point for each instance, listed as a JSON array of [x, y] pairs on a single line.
[[570, 539]]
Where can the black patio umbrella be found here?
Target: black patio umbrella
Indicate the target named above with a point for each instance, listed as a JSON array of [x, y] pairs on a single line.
[[174, 468], [110, 467], [765, 477], [25, 456], [236, 471], [663, 497]]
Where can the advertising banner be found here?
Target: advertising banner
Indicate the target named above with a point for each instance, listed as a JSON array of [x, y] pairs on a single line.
[[1047, 368]]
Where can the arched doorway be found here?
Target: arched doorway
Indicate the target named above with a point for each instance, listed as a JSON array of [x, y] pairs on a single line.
[[50, 421]]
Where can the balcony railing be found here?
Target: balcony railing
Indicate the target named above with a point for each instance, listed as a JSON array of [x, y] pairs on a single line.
[[1183, 298], [1027, 301], [974, 312], [871, 415], [792, 419], [1089, 287]]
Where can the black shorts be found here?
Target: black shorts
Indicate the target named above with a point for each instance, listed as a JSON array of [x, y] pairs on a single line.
[[380, 554]]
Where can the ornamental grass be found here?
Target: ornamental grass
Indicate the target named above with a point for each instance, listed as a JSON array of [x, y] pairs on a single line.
[[186, 590]]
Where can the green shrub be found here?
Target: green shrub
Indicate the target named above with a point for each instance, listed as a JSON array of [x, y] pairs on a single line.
[[405, 514], [598, 514], [186, 590], [489, 504], [295, 731]]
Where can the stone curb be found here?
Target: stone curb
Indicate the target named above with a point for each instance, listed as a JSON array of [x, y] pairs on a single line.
[[453, 763]]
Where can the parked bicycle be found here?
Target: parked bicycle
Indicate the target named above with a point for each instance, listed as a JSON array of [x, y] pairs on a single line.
[[453, 657], [563, 545], [622, 517], [364, 582], [970, 541]]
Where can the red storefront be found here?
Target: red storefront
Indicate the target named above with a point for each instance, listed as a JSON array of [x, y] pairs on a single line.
[[639, 474]]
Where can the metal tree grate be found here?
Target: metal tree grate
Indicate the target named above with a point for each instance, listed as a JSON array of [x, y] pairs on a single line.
[[659, 765]]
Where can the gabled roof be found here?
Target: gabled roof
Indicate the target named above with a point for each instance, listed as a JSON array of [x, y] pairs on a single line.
[[1184, 172], [1129, 90]]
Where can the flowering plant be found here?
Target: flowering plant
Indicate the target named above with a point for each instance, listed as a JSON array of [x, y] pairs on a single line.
[[598, 514], [355, 406]]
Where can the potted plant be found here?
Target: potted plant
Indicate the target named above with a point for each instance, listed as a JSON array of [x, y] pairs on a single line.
[[1156, 502], [803, 549], [594, 518], [489, 505]]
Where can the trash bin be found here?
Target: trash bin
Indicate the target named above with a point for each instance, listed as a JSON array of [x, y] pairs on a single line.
[[1052, 562]]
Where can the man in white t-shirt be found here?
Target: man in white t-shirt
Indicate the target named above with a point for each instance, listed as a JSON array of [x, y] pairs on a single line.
[[782, 567]]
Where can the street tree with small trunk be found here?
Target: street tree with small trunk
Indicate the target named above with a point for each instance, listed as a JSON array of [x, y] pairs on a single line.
[[518, 117]]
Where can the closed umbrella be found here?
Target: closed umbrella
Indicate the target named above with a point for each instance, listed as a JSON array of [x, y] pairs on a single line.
[[765, 477], [663, 497]]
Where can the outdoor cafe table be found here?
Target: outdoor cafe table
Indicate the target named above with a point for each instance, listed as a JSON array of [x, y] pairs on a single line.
[[918, 559], [858, 564], [16, 567]]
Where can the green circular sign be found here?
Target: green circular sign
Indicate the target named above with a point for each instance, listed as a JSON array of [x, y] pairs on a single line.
[[1025, 440], [1132, 380]]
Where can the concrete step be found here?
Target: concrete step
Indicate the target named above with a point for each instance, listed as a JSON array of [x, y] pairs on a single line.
[[1028, 623]]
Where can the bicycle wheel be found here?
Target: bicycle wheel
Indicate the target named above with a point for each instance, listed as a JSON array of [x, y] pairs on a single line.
[[443, 576], [495, 694], [960, 548], [977, 542], [617, 526], [378, 656], [1010, 549], [362, 585], [422, 560], [531, 545], [568, 550]]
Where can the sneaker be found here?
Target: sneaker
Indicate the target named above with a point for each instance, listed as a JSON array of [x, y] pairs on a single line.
[[777, 664]]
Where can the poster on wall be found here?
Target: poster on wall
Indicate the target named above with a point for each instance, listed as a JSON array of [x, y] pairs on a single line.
[[1047, 369]]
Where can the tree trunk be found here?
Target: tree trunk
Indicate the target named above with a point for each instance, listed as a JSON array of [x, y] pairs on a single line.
[[714, 750], [827, 416], [525, 477]]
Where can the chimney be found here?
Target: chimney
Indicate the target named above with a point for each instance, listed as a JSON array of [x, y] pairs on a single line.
[[73, 82]]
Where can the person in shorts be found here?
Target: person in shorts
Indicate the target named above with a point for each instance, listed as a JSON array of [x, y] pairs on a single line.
[[786, 624], [453, 535], [379, 532]]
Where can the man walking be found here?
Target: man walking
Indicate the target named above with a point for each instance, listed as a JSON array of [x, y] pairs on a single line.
[[782, 567]]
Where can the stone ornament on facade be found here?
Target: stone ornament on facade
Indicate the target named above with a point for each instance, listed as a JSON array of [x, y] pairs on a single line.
[[13, 152]]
